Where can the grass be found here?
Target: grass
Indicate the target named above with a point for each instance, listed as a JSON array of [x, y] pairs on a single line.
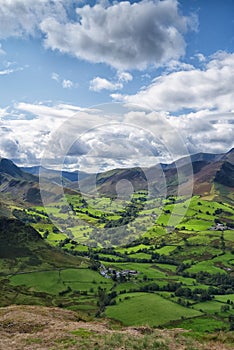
[[211, 307], [61, 329], [205, 266], [133, 249], [196, 224], [202, 324], [56, 281], [167, 250], [229, 235], [225, 298], [147, 309], [47, 281], [141, 256], [190, 243]]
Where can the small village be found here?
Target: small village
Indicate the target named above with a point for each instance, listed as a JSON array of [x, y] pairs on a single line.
[[114, 274]]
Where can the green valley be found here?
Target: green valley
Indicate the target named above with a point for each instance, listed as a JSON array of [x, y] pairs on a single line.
[[119, 260]]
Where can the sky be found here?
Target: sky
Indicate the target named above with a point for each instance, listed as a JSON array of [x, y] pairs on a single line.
[[103, 84]]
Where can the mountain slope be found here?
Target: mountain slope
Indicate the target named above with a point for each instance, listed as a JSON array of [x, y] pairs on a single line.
[[9, 168], [20, 185], [40, 328], [71, 176], [24, 188], [22, 249], [208, 170], [225, 175]]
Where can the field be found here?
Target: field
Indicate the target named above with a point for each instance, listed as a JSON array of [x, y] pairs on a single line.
[[152, 310], [182, 277]]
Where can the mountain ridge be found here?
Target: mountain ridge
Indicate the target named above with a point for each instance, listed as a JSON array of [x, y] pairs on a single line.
[[209, 170]]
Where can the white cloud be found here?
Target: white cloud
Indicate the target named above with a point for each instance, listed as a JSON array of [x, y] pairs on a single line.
[[98, 84], [45, 111], [200, 57], [6, 71], [55, 76], [124, 76], [3, 112], [22, 146], [205, 131], [122, 35], [67, 84], [175, 65], [102, 145], [2, 52], [208, 88], [10, 71], [22, 17]]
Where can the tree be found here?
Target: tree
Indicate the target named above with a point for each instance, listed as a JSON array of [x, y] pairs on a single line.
[[46, 234], [224, 308]]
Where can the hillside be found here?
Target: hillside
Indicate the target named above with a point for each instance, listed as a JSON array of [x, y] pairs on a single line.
[[125, 260], [7, 167], [210, 173], [209, 170], [23, 249], [39, 328], [23, 187], [71, 176], [20, 185]]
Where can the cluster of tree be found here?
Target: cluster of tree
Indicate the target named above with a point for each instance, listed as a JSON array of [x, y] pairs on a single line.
[[197, 294], [64, 242], [104, 299], [155, 257], [224, 283], [154, 287], [27, 218], [41, 212], [128, 215], [65, 291]]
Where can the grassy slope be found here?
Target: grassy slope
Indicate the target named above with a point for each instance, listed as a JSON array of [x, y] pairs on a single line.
[[191, 243], [30, 327], [150, 309]]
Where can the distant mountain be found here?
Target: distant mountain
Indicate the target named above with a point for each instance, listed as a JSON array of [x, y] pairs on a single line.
[[23, 187], [17, 183], [225, 175], [194, 158], [7, 167], [71, 176], [229, 156], [211, 172]]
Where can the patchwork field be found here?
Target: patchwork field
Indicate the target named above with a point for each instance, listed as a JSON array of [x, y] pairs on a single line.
[[181, 277]]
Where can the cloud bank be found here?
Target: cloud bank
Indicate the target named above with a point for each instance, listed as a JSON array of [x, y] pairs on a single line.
[[198, 89], [20, 18], [122, 34], [109, 146]]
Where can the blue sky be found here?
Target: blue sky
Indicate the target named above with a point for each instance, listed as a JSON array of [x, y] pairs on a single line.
[[57, 58]]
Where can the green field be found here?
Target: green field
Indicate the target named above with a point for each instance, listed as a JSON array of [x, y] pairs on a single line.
[[54, 282], [182, 277], [203, 324], [147, 309]]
